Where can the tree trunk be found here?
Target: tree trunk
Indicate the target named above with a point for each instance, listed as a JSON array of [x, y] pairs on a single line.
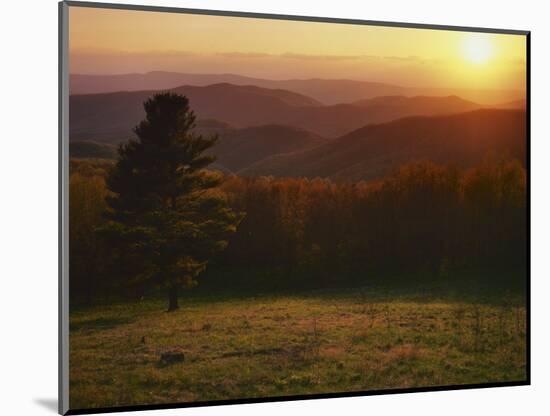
[[172, 298]]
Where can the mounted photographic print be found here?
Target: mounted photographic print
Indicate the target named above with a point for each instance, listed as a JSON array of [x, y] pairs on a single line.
[[262, 207]]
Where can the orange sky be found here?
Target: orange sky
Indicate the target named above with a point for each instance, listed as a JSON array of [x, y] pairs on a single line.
[[104, 41]]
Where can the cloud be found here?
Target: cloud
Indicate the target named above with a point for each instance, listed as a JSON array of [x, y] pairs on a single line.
[[321, 57], [250, 55], [290, 55], [410, 58], [244, 54], [116, 52]]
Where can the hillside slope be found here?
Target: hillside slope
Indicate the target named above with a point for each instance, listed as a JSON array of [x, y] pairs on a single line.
[[239, 148], [375, 150], [236, 149], [110, 117]]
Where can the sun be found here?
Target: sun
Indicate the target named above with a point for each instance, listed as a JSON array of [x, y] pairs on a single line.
[[477, 48]]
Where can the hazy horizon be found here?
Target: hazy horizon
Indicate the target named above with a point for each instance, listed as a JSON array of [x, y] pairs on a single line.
[[116, 42], [244, 75]]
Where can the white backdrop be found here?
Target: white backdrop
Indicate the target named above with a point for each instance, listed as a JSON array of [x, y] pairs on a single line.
[[28, 208]]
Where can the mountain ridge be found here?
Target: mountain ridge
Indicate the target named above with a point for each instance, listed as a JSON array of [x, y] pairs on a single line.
[[110, 117], [374, 150], [327, 91]]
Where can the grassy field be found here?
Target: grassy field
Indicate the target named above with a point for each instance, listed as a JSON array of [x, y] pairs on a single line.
[[286, 345]]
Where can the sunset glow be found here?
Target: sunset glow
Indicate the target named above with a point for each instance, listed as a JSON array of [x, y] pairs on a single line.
[[478, 48], [104, 41]]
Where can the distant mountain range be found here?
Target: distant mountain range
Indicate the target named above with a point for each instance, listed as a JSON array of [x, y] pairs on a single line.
[[237, 149], [368, 153], [375, 150], [110, 117], [282, 132], [339, 119], [327, 91]]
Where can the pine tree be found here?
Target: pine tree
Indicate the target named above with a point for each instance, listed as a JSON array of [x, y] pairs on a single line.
[[167, 215]]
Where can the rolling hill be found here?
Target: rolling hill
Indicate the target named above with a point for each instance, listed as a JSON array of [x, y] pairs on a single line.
[[336, 120], [239, 148], [235, 150], [375, 150], [327, 91], [110, 117], [517, 104]]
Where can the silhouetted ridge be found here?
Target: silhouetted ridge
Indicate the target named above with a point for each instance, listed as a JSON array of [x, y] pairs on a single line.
[[111, 116], [376, 149]]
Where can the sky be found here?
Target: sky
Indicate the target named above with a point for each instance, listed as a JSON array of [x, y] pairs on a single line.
[[104, 41]]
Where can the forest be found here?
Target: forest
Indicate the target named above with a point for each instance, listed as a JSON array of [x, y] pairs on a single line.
[[414, 227]]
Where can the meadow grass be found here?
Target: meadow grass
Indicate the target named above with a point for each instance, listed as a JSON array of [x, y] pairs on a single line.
[[260, 346]]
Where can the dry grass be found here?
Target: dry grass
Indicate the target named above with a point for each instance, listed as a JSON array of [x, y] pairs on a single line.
[[403, 353], [283, 346]]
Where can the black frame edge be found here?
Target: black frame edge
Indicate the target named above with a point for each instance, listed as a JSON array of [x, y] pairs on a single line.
[[60, 399], [528, 205], [183, 405], [63, 278]]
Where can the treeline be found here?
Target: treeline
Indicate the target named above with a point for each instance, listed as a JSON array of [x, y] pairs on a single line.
[[420, 224]]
